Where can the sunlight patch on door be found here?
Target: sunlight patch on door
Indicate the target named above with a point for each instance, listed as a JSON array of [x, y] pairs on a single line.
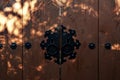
[[117, 7], [39, 68], [87, 9], [116, 47], [14, 18], [62, 3]]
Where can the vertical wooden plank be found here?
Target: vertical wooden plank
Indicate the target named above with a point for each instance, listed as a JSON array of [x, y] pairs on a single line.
[[3, 61], [10, 31], [83, 17], [35, 65], [109, 33]]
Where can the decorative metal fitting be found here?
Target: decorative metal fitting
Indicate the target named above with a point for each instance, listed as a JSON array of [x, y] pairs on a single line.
[[91, 45], [13, 46], [28, 45], [60, 44], [108, 46]]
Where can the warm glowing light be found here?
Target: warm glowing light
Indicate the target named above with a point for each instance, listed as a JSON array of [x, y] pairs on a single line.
[[73, 61], [17, 40], [85, 8], [8, 9], [43, 23], [13, 23], [20, 66], [3, 20], [9, 64], [10, 24], [116, 47], [39, 68], [39, 33], [18, 0], [35, 33], [53, 27], [65, 3], [16, 6], [117, 7], [32, 5], [65, 13], [32, 31]]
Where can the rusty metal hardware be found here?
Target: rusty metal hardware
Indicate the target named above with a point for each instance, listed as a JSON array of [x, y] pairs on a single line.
[[28, 45], [91, 45], [108, 46], [13, 46], [60, 41]]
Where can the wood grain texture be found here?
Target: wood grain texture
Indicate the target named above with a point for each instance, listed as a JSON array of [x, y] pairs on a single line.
[[109, 32], [35, 65], [80, 15], [3, 61], [10, 60], [85, 66]]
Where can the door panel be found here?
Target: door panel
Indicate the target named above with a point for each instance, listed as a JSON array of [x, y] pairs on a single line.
[[85, 22], [109, 30], [27, 21], [3, 59], [10, 60], [35, 65]]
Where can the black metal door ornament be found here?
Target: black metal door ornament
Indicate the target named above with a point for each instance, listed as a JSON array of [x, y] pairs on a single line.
[[60, 44]]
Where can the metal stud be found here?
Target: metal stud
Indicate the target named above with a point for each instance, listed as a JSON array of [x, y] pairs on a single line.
[[28, 45], [91, 45], [108, 46], [13, 46], [1, 46]]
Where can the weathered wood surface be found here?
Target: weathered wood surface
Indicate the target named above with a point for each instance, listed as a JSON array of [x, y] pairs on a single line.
[[34, 18], [35, 65], [109, 30], [85, 66], [10, 60]]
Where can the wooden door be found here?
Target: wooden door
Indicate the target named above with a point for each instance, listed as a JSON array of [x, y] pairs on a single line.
[[10, 33], [109, 30], [35, 65], [25, 21], [83, 17]]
